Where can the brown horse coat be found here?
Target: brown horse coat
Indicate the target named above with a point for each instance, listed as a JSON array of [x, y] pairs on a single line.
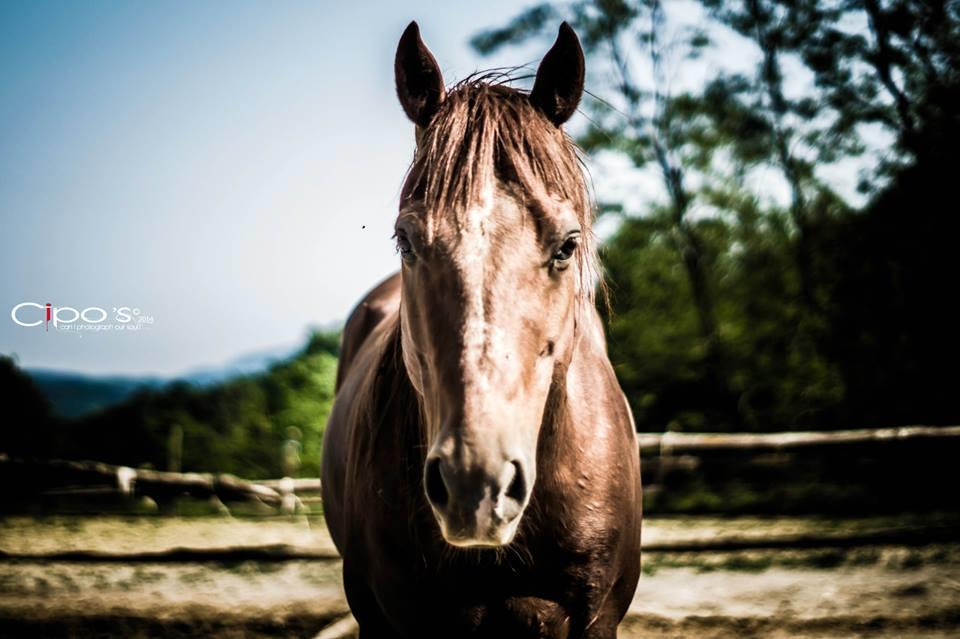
[[573, 564]]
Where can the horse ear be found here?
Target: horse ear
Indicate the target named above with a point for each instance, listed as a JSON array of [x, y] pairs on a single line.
[[419, 81], [559, 83]]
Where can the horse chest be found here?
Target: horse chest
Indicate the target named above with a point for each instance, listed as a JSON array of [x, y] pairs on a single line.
[[491, 614], [515, 617], [427, 593]]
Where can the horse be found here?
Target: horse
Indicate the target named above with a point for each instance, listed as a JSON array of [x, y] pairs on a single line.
[[481, 475]]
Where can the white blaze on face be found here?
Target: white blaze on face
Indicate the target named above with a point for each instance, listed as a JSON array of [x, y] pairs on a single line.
[[485, 345], [484, 440], [472, 261]]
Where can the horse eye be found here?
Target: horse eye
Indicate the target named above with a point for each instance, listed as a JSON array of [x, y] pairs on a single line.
[[404, 247], [562, 257]]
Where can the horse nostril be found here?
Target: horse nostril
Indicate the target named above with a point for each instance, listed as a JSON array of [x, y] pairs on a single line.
[[435, 486], [518, 485]]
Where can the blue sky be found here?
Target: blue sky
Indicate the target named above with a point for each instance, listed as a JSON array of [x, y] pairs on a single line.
[[230, 169]]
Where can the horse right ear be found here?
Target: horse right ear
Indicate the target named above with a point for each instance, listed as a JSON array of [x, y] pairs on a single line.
[[419, 81], [559, 84]]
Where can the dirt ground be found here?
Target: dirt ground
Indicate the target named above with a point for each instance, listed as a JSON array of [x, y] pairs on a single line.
[[862, 591]]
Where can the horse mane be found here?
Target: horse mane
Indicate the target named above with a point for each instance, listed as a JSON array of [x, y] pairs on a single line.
[[486, 130]]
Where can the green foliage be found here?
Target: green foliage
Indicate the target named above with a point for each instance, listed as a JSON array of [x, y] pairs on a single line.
[[240, 426], [899, 71], [730, 311], [27, 412], [775, 376]]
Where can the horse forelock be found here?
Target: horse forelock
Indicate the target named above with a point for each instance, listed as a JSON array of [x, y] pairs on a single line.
[[486, 132]]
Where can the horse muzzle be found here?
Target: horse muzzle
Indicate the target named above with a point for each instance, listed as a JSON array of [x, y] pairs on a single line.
[[477, 507]]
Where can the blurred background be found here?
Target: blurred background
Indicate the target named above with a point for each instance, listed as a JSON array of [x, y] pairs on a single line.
[[774, 181]]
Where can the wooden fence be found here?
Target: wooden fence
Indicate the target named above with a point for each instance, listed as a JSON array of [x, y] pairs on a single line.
[[663, 450], [697, 442]]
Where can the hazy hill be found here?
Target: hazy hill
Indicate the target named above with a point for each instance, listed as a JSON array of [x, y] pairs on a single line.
[[249, 425], [72, 394]]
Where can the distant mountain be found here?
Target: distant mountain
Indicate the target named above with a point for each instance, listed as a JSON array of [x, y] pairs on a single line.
[[73, 394], [249, 364]]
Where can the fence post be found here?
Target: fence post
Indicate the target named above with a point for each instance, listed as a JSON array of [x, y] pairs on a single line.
[[175, 449]]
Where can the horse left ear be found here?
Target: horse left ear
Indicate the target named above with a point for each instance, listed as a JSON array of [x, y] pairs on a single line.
[[419, 81], [559, 84]]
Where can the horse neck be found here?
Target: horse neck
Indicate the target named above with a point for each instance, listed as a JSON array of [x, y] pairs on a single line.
[[574, 385], [388, 407], [555, 420]]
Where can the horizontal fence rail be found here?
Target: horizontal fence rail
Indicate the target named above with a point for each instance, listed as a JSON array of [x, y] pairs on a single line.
[[63, 477], [692, 442], [670, 450]]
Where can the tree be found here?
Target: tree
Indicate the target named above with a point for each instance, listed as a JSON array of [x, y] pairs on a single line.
[[239, 426], [639, 121], [786, 120], [734, 309], [27, 422], [631, 119], [896, 67]]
